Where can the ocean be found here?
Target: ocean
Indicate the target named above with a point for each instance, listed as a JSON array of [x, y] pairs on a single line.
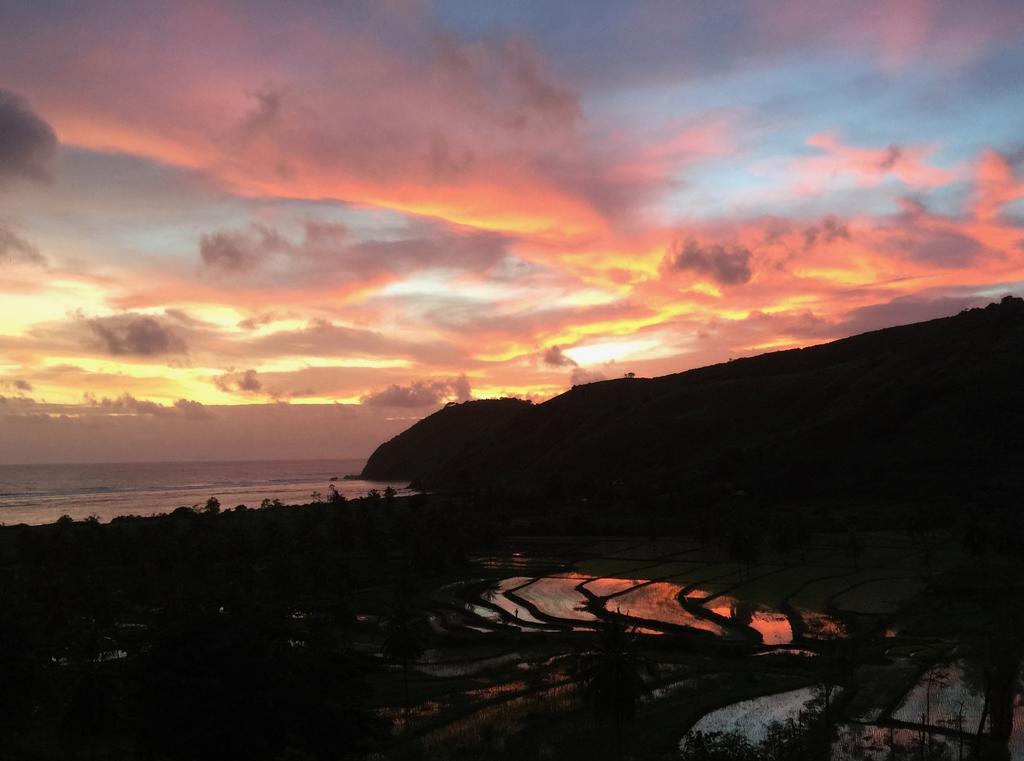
[[42, 493]]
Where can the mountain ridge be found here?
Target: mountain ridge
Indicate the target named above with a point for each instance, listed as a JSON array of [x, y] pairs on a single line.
[[910, 409]]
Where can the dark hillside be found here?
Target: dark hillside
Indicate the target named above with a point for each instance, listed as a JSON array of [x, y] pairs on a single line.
[[445, 436], [909, 411]]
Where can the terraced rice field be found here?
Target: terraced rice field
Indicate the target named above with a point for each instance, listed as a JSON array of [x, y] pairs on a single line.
[[558, 597], [466, 667], [706, 591], [505, 717], [487, 614], [633, 595], [819, 593], [937, 698], [663, 570], [651, 549], [658, 601], [775, 588], [519, 562], [516, 611], [454, 595], [878, 597], [607, 586], [621, 568], [772, 625], [696, 574], [818, 625], [870, 742], [751, 718], [1017, 737], [515, 684]]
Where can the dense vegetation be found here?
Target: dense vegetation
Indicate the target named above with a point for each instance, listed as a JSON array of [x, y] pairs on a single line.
[[205, 634], [211, 634]]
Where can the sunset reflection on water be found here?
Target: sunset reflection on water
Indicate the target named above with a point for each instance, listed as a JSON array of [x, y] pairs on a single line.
[[773, 626], [659, 602]]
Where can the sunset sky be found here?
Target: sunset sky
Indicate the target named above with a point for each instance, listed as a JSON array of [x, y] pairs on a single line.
[[264, 229]]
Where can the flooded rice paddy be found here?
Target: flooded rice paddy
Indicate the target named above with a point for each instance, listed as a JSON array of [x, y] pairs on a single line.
[[513, 631], [607, 587], [557, 597], [517, 611], [773, 626], [751, 718], [659, 602], [949, 696]]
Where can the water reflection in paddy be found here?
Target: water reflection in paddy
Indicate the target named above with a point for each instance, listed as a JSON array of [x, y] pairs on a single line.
[[1017, 734], [773, 626], [704, 591], [514, 609], [819, 625], [608, 586], [557, 597], [750, 718], [659, 602], [869, 742], [937, 698]]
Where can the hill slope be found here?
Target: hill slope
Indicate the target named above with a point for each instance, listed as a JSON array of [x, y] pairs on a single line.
[[916, 409], [446, 436]]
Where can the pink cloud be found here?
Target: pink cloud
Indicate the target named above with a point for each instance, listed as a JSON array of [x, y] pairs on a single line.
[[866, 167], [997, 182]]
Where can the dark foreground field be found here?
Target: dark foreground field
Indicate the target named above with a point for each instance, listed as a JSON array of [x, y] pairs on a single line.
[[479, 627]]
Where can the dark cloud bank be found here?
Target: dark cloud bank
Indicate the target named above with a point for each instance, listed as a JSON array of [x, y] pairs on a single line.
[[27, 143], [725, 266]]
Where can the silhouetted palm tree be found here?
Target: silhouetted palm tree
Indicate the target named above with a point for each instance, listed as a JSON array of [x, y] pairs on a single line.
[[975, 538], [854, 547], [402, 641], [783, 540], [90, 714], [743, 546], [20, 669], [611, 676]]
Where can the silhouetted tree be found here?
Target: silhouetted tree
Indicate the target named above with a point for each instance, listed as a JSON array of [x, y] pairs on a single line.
[[783, 539], [999, 657], [611, 676], [402, 642], [743, 546], [90, 714], [975, 538], [854, 546], [835, 671], [802, 538], [20, 675], [221, 686], [717, 746]]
